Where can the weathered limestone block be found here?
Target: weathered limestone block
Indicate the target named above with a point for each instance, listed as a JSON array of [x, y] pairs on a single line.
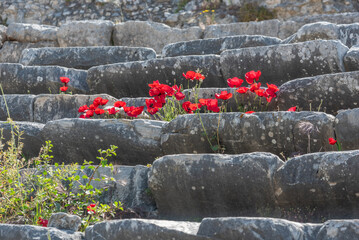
[[347, 129], [349, 34], [11, 51], [2, 34], [338, 18], [281, 63], [130, 229], [28, 232], [324, 182], [329, 93], [85, 33], [151, 34], [266, 28], [205, 185], [132, 79], [351, 59], [64, 221], [138, 141], [19, 79], [216, 45], [84, 57], [339, 229], [24, 32], [31, 136], [20, 107], [275, 132], [48, 107], [233, 228]]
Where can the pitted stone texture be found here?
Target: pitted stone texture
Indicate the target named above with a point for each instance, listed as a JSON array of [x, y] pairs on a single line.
[[349, 34], [208, 185], [326, 182], [84, 57], [266, 28], [48, 107], [216, 45], [351, 59], [85, 33], [64, 221], [138, 140], [19, 79], [28, 232], [23, 32], [290, 61], [20, 107], [329, 93], [11, 51], [132, 79], [275, 132], [3, 37], [338, 18], [143, 229], [151, 34], [256, 229], [31, 137], [347, 129], [339, 229]]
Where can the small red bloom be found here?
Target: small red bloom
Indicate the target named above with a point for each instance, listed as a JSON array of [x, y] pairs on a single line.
[[63, 89], [211, 104], [104, 101], [133, 111], [255, 86], [90, 208], [224, 95], [119, 104], [272, 89], [92, 107], [252, 75], [89, 113], [154, 84], [332, 141], [234, 82], [112, 111], [250, 112], [152, 110], [261, 93], [65, 80], [191, 75], [97, 101], [190, 107], [83, 116], [83, 108], [292, 109], [179, 96], [242, 90], [42, 222]]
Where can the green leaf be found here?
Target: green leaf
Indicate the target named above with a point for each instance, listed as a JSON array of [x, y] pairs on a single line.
[[77, 177], [85, 177]]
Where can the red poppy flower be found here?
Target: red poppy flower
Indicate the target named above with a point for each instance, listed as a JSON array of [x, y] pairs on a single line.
[[63, 89], [152, 110], [65, 80], [83, 108], [83, 116], [42, 222], [224, 95], [250, 112], [269, 99], [211, 104], [97, 101], [292, 109], [191, 75], [92, 107], [252, 75], [332, 141], [272, 89], [99, 111], [119, 104], [90, 208], [261, 93], [176, 88], [154, 84], [133, 111], [112, 111], [89, 113], [255, 86], [242, 90], [179, 96], [104, 101], [234, 82], [190, 107]]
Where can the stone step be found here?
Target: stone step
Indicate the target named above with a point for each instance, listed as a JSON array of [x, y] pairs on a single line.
[[84, 57]]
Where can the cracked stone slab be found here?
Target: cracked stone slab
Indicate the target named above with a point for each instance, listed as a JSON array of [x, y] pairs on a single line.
[[151, 34], [347, 129], [212, 185], [325, 182], [131, 79], [351, 59], [24, 32], [329, 93], [85, 33], [290, 61], [281, 133], [138, 140], [84, 57], [339, 229], [19, 79], [143, 229], [216, 45], [20, 107]]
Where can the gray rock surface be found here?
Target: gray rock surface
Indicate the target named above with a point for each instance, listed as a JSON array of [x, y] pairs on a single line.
[[28, 232], [138, 141], [205, 185], [349, 34], [151, 34], [2, 34], [64, 221], [11, 51], [23, 32], [339, 229], [20, 107], [19, 79], [256, 229], [85, 33], [132, 79], [338, 18], [329, 93], [216, 45], [31, 136], [275, 132], [324, 182], [351, 59], [143, 229], [281, 63], [48, 107], [347, 129], [84, 57]]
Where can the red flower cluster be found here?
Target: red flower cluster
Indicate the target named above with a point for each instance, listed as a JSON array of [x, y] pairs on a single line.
[[65, 81], [90, 208], [42, 222], [191, 75]]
